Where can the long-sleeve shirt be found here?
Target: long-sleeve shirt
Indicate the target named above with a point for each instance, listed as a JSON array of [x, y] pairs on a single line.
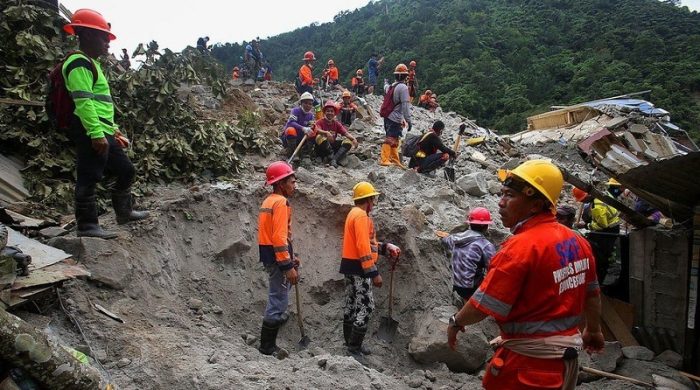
[[92, 98], [603, 216], [360, 247], [431, 144], [306, 76], [402, 104], [275, 232], [471, 255], [299, 119]]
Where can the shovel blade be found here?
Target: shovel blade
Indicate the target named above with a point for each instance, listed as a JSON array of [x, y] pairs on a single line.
[[387, 329], [450, 173], [304, 342]]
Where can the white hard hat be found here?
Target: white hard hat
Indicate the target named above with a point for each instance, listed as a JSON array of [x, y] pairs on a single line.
[[306, 96]]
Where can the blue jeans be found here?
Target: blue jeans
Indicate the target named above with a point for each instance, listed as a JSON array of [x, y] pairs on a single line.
[[278, 294]]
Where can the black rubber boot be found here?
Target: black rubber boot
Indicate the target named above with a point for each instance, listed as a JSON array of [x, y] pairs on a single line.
[[86, 218], [268, 337], [357, 335], [123, 208], [339, 155], [347, 329], [291, 146]]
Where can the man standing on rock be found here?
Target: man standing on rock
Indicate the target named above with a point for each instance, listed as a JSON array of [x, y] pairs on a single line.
[[394, 121], [540, 287], [275, 245], [99, 143], [360, 253]]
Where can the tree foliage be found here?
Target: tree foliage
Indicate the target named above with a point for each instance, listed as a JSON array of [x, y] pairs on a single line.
[[501, 60]]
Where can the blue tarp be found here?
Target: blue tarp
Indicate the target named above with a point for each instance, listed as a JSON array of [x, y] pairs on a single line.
[[632, 104]]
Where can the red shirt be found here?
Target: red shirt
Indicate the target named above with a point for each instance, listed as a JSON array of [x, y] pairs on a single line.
[[333, 126], [539, 280]]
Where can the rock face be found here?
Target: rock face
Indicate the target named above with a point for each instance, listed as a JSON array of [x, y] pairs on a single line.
[[670, 358], [430, 343]]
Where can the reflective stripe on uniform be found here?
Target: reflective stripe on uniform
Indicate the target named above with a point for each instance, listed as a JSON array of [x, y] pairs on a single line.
[[365, 258], [266, 210], [556, 325], [284, 248], [103, 98], [82, 95], [499, 307]]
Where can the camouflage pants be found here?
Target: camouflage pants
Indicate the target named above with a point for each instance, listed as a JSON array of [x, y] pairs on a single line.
[[359, 302]]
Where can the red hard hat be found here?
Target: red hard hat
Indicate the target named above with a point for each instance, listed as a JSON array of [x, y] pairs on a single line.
[[579, 194], [89, 19], [479, 216], [309, 56], [277, 171], [412, 63], [331, 104]]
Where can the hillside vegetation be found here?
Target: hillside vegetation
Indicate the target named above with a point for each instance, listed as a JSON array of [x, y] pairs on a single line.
[[500, 61]]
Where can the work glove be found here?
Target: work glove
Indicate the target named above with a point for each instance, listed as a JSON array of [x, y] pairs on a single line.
[[306, 130], [393, 250]]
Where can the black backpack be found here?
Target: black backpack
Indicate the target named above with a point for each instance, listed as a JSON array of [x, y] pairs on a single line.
[[412, 144]]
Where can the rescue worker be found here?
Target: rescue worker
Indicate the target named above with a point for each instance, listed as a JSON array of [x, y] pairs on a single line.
[[300, 123], [471, 253], [540, 287], [333, 141], [411, 80], [202, 44], [236, 73], [125, 62], [359, 265], [275, 247], [432, 153], [373, 66], [99, 142], [566, 215], [400, 116], [331, 74], [306, 76], [604, 229], [428, 100], [358, 84], [347, 109]]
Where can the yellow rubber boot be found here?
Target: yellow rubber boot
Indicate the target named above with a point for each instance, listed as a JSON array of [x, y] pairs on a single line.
[[385, 157], [395, 157]]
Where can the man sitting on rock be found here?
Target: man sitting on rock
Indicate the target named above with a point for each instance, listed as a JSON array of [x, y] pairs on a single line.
[[300, 123], [432, 153], [347, 109], [329, 132]]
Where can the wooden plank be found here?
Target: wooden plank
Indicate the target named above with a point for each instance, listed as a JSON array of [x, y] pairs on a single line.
[[50, 275], [42, 255], [616, 324]]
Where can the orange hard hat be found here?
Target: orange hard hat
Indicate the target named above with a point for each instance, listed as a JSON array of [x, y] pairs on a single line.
[[359, 72], [330, 62], [579, 194], [88, 18], [347, 94], [412, 63], [401, 69], [309, 56], [277, 171]]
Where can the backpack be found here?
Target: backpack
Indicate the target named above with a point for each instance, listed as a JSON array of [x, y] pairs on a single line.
[[388, 103], [412, 144], [59, 104]]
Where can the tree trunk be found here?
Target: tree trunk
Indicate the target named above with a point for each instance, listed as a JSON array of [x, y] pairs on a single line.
[[52, 366]]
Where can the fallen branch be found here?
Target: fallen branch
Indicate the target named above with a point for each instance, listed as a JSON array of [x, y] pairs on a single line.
[[615, 376]]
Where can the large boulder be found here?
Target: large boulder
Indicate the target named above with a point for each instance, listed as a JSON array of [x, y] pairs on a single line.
[[429, 345], [474, 184]]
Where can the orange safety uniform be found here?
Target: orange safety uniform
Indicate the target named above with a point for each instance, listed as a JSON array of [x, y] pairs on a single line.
[[306, 76], [275, 232], [357, 81], [360, 246], [536, 287], [333, 73]]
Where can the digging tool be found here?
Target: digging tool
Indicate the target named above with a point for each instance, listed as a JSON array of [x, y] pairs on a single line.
[[304, 340], [297, 149], [388, 325], [450, 167]]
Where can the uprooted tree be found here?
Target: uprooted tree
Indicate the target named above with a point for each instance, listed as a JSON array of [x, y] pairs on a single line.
[[169, 140]]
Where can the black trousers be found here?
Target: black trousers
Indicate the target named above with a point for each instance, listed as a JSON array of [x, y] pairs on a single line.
[[603, 243], [92, 167], [427, 164]]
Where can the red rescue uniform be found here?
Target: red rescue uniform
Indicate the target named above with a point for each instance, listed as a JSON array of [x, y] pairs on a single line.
[[360, 246], [275, 232], [536, 287]]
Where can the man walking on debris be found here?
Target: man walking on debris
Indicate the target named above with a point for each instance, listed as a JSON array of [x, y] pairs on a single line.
[[411, 81], [99, 143], [275, 245], [300, 123], [329, 144], [373, 66], [432, 153], [360, 253], [471, 253], [540, 287], [347, 109], [400, 115]]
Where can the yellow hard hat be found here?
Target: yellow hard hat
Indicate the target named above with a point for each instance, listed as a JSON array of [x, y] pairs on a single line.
[[613, 182], [542, 175], [363, 190]]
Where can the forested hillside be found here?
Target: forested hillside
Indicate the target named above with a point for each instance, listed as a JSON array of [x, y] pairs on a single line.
[[499, 61]]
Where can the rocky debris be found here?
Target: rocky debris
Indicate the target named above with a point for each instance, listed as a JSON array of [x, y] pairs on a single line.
[[638, 352], [670, 358], [53, 231], [643, 371], [474, 184], [606, 360]]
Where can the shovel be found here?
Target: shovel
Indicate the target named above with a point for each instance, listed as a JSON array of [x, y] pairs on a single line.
[[388, 325], [450, 167], [304, 340], [297, 150]]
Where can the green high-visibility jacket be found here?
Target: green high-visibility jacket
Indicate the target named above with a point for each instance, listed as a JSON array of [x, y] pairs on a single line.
[[93, 100]]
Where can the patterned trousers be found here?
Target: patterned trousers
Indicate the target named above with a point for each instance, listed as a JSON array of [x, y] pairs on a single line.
[[359, 301]]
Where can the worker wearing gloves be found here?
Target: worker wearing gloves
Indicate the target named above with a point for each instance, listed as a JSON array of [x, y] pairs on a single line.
[[359, 265], [300, 123], [541, 286], [333, 141], [471, 253], [275, 245], [99, 142]]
